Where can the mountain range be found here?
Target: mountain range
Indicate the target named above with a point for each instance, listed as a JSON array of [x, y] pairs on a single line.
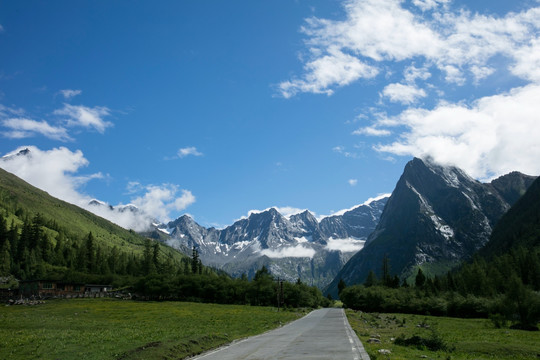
[[294, 247]]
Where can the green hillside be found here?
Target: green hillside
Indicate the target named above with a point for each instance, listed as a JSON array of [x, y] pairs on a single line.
[[38, 229], [519, 227]]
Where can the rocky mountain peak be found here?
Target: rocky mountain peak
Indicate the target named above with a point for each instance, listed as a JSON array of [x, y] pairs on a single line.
[[512, 186], [304, 218], [436, 213]]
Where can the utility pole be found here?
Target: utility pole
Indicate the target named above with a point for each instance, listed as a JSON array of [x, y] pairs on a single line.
[[279, 292]]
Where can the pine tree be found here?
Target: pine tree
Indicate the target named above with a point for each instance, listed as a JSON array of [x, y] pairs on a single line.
[[155, 256], [386, 278], [371, 279], [90, 253], [341, 285], [195, 261], [420, 279], [5, 259]]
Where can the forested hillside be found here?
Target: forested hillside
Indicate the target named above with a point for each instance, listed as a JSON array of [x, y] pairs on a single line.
[[41, 236]]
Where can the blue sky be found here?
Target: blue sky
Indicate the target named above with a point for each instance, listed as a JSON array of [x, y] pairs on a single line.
[[216, 108]]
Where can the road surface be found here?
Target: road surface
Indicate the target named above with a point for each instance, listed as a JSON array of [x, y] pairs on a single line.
[[322, 334]]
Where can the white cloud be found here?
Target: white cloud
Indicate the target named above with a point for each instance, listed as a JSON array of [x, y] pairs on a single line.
[[297, 251], [285, 211], [288, 211], [376, 198], [481, 72], [353, 182], [334, 68], [495, 135], [412, 73], [345, 245], [192, 150], [527, 63], [405, 94], [160, 200], [454, 75], [343, 211], [371, 131], [341, 150], [69, 93], [426, 5], [53, 171], [79, 115], [21, 128], [377, 31], [1, 29], [451, 47], [56, 171]]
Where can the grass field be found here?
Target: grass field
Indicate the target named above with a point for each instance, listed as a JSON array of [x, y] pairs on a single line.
[[463, 338], [116, 329]]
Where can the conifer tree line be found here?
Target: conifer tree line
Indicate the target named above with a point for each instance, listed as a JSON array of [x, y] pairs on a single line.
[[28, 252], [505, 287]]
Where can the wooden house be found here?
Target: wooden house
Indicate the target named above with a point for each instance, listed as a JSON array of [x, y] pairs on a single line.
[[45, 288]]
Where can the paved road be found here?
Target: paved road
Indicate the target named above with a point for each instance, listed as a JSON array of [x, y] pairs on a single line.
[[322, 334]]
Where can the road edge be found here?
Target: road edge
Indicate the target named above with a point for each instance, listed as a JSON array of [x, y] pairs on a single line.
[[353, 338]]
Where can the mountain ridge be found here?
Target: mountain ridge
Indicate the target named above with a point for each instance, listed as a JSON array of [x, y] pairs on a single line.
[[436, 217], [292, 247]]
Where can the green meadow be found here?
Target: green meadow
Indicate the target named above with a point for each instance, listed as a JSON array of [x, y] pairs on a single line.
[[117, 329], [417, 336]]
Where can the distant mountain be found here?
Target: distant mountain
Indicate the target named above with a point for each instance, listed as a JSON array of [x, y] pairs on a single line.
[[295, 247], [23, 152], [519, 227], [356, 222], [436, 217]]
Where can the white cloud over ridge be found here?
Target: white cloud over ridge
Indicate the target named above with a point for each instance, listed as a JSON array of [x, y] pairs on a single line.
[[285, 211], [345, 245], [495, 135], [298, 251], [56, 171]]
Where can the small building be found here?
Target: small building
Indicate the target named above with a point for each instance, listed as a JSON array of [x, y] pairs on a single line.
[[45, 288], [94, 288]]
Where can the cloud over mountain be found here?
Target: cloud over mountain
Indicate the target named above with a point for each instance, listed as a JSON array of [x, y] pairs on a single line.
[[58, 172]]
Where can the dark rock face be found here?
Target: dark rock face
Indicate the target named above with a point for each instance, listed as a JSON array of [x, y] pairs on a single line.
[[436, 214]]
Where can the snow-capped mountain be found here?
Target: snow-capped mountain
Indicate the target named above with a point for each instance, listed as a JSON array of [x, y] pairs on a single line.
[[436, 217], [23, 152], [295, 247]]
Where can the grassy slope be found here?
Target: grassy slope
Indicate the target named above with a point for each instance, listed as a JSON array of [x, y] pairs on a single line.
[[467, 338], [117, 329], [16, 193]]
